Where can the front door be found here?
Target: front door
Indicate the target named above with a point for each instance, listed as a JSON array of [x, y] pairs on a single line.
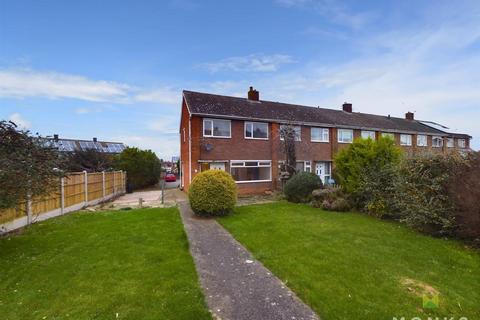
[[217, 166], [320, 170]]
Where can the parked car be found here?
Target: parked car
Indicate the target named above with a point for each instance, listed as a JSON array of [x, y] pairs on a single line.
[[170, 177]]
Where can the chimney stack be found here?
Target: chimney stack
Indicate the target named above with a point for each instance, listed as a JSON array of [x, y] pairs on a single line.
[[55, 137], [409, 115], [94, 139], [347, 107], [253, 94]]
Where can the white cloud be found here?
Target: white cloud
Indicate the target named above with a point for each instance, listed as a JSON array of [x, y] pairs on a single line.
[[21, 83], [166, 124], [332, 10], [25, 83], [164, 95], [19, 120], [250, 63]]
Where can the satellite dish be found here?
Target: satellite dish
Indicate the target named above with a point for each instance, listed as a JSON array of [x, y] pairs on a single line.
[[208, 146]]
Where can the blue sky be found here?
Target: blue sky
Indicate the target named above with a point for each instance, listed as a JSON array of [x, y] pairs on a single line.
[[115, 69]]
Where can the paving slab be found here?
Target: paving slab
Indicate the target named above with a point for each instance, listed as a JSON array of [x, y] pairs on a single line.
[[235, 285]]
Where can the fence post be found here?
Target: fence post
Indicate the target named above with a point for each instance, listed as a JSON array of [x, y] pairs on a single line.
[[124, 184], [62, 195], [114, 181], [29, 209], [85, 180], [103, 184]]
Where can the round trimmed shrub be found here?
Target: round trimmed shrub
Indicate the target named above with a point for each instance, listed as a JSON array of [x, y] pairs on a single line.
[[299, 188], [212, 193]]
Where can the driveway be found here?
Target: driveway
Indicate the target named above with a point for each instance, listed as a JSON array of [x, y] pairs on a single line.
[[151, 198]]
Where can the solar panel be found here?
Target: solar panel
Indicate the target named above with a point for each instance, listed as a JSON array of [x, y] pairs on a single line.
[[65, 145], [87, 145]]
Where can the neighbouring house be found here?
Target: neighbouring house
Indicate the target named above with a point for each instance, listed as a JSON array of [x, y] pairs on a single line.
[[241, 136], [72, 145]]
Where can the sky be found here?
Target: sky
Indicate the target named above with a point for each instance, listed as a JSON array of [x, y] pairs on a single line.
[[115, 70]]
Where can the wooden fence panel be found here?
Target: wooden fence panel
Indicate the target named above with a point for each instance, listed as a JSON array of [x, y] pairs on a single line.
[[109, 183], [47, 203], [75, 191], [95, 186]]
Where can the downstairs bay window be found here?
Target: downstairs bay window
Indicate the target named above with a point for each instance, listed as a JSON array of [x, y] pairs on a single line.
[[251, 170]]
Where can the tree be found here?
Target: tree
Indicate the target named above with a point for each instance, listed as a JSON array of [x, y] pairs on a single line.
[[288, 135], [29, 166], [89, 160], [142, 166], [364, 155]]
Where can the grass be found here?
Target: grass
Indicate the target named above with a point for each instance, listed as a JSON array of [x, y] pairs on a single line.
[[96, 265], [351, 266]]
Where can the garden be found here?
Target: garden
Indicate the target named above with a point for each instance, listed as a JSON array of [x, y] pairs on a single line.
[[353, 266], [396, 238], [105, 265]]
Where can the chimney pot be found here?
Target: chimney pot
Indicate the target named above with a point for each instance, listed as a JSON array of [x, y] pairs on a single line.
[[253, 94], [55, 137], [347, 107], [409, 115], [94, 139]]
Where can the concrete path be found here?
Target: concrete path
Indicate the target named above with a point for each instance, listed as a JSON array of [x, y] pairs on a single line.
[[151, 198], [237, 286]]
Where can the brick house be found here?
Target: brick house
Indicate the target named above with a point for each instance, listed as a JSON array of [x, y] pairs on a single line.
[[241, 136]]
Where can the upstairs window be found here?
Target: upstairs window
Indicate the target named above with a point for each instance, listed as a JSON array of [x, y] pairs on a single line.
[[368, 134], [421, 140], [450, 142], [217, 128], [461, 143], [256, 130], [345, 135], [319, 134], [297, 129], [388, 135], [437, 142], [405, 139]]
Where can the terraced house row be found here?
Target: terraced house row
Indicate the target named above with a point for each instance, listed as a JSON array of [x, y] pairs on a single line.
[[241, 136]]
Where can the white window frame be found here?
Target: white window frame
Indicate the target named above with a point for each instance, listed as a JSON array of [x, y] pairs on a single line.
[[298, 133], [260, 164], [437, 138], [463, 143], [252, 124], [450, 142], [340, 138], [408, 143], [366, 134], [324, 134], [211, 129], [422, 144]]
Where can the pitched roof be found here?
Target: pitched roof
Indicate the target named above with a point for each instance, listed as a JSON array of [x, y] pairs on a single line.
[[213, 105]]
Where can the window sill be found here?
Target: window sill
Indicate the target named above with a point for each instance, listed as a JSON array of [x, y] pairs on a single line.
[[253, 181], [319, 141], [214, 137], [345, 142], [247, 138]]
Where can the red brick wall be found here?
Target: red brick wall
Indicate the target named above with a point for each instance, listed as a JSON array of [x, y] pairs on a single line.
[[184, 147]]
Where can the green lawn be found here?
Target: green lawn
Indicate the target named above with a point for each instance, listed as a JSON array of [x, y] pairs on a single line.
[[96, 265], [351, 266]]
